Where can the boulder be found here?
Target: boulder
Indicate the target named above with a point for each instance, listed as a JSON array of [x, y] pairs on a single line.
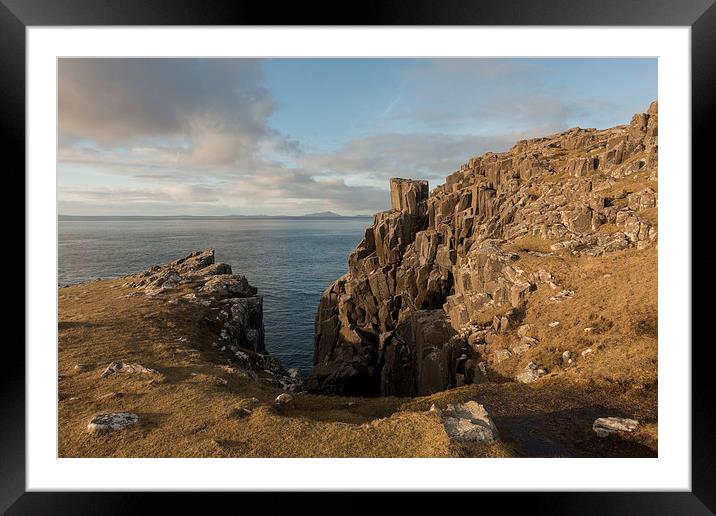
[[214, 269], [228, 285], [525, 330], [195, 261], [605, 426], [111, 422], [500, 355], [469, 422], [162, 281], [524, 344], [531, 373], [283, 399]]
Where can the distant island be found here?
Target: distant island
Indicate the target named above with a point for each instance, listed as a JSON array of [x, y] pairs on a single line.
[[324, 214]]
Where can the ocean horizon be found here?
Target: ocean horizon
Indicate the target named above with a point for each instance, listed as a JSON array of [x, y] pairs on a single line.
[[62, 217]]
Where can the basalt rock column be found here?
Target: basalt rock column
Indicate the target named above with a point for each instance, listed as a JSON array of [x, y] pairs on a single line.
[[409, 196], [359, 310], [408, 318]]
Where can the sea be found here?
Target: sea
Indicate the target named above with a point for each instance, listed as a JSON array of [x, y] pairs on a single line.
[[290, 260]]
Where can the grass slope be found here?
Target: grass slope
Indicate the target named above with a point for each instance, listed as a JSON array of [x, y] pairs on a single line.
[[192, 408]]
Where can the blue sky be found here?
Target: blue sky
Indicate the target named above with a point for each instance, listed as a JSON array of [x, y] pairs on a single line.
[[292, 136]]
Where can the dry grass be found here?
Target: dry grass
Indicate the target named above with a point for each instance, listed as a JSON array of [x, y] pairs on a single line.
[[630, 184], [614, 312], [187, 411], [553, 417], [530, 243]]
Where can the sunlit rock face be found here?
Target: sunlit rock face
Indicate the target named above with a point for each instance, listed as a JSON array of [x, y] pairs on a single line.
[[406, 319]]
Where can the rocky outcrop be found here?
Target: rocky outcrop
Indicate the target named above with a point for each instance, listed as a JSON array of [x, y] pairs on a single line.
[[212, 285], [407, 317], [234, 314]]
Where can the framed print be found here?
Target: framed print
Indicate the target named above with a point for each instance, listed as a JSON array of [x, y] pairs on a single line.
[[420, 249]]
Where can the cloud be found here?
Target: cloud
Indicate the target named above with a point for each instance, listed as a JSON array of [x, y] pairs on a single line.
[[374, 159], [195, 111], [480, 96], [351, 180], [178, 193], [285, 188], [276, 191]]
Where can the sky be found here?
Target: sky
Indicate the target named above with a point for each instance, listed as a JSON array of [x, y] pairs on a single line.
[[296, 136]]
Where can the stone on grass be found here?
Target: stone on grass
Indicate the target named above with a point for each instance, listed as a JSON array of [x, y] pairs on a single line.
[[531, 373], [501, 354], [524, 344], [283, 399], [241, 413], [469, 422], [525, 330], [111, 422], [605, 426], [562, 296], [121, 367]]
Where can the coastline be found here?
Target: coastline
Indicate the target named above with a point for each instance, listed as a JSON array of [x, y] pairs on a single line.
[[512, 312]]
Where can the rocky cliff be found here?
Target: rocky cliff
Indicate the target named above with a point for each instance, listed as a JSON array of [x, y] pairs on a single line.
[[441, 275], [232, 311]]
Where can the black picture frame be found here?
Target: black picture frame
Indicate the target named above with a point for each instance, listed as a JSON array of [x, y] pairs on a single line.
[[17, 15]]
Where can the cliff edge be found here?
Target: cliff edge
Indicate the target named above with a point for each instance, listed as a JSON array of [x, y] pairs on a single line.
[[454, 286]]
